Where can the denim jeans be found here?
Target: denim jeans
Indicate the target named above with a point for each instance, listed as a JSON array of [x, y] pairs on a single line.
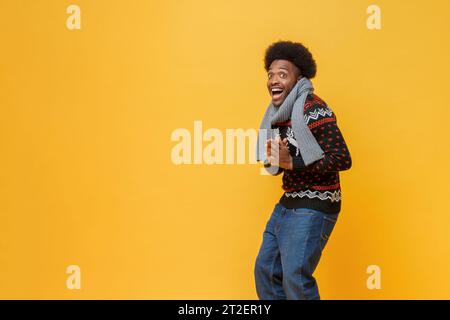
[[292, 245]]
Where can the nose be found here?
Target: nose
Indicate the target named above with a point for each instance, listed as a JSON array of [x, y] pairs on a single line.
[[274, 80]]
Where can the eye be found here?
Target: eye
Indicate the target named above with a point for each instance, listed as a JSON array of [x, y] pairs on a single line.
[[283, 75]]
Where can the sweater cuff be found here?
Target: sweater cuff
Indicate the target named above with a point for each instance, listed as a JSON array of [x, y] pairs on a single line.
[[298, 163]]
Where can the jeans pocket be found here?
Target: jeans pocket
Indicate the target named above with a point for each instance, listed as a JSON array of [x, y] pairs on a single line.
[[303, 212], [327, 227]]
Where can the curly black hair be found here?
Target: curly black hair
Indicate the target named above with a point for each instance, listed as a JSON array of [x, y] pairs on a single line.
[[294, 52]]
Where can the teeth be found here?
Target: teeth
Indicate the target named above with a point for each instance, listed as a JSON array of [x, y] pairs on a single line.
[[274, 91]]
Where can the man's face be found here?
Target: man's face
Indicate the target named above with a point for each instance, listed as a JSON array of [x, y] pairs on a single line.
[[282, 77]]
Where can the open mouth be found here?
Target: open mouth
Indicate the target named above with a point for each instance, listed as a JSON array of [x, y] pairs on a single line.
[[276, 93]]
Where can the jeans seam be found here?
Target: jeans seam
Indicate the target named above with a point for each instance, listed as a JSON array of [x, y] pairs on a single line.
[[272, 284], [326, 237], [303, 258]]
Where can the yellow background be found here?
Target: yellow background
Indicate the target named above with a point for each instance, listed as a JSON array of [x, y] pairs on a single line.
[[86, 116]]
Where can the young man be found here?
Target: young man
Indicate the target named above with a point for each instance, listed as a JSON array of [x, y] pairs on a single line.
[[309, 148]]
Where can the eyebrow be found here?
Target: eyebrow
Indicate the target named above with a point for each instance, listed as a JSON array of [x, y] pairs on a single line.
[[280, 68]]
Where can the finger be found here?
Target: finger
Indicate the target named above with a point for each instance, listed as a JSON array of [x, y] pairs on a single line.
[[268, 147], [273, 161], [274, 152], [284, 147], [274, 148]]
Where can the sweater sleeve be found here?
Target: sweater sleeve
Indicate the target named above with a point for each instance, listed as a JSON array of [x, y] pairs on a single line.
[[323, 124]]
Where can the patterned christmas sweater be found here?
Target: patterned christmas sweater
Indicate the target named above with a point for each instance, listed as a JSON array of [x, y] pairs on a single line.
[[317, 185]]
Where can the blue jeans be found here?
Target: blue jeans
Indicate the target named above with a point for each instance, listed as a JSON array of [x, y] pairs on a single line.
[[292, 245]]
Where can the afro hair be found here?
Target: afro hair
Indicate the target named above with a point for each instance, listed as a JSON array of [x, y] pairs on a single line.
[[294, 52]]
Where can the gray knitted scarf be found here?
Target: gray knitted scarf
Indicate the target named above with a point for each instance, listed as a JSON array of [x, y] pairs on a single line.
[[291, 108]]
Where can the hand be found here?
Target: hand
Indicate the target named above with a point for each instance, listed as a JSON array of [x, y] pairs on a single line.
[[278, 150]]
